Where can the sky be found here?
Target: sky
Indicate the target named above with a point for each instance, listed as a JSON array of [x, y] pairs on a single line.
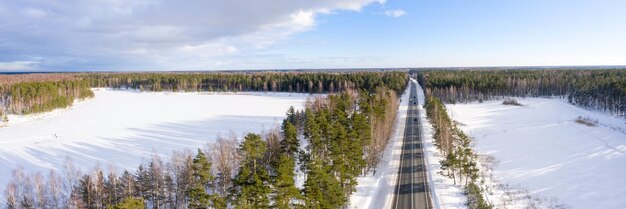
[[159, 35]]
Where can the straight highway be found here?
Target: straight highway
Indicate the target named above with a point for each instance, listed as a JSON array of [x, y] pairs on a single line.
[[411, 188]]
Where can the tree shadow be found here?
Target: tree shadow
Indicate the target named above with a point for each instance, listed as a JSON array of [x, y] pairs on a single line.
[[128, 152]]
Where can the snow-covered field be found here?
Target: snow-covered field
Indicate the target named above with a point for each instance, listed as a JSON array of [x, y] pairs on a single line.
[[540, 148], [124, 128]]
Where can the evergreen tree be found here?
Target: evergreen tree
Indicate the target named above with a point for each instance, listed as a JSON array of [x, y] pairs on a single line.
[[312, 133], [290, 143], [321, 188], [286, 191], [449, 164], [111, 189], [198, 197], [142, 183], [127, 186], [129, 203], [252, 179], [87, 191]]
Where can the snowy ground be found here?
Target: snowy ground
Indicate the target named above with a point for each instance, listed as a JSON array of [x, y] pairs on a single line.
[[444, 192], [540, 148], [376, 191], [123, 128]]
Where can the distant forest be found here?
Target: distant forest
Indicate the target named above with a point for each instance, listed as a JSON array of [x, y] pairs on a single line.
[[345, 135], [35, 93], [603, 90]]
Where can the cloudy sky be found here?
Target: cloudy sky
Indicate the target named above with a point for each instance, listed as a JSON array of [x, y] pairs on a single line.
[[86, 35]]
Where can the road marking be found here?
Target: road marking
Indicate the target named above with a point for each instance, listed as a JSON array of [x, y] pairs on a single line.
[[412, 138]]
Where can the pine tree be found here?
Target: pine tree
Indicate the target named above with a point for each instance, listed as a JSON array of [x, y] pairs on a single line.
[[321, 188], [127, 185], [339, 155], [312, 133], [289, 144], [449, 164], [313, 192], [129, 203], [291, 115], [361, 138], [142, 183], [111, 188], [198, 197], [87, 191], [286, 191], [252, 178]]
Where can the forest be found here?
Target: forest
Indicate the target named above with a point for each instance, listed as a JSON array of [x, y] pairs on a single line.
[[301, 82], [35, 93], [36, 97], [335, 139], [603, 90]]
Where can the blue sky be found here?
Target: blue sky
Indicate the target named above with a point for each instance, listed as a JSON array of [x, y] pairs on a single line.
[[286, 34]]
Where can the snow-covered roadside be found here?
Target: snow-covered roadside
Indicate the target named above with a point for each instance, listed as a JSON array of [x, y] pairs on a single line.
[[444, 193], [376, 191]]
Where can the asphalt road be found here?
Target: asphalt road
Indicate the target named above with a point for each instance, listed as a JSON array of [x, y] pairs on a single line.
[[411, 187]]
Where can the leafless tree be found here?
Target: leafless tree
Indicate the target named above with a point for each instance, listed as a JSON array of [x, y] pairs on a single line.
[[71, 175], [156, 174], [20, 192], [273, 138], [179, 168], [41, 191], [111, 187], [56, 196], [98, 187], [11, 195], [223, 153]]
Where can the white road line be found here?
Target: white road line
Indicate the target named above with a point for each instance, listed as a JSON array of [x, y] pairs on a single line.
[[412, 159], [399, 174]]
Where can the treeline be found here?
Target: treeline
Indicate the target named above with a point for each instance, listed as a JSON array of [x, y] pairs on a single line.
[[342, 132], [301, 82], [593, 89], [35, 97], [6, 80], [34, 93], [460, 160]]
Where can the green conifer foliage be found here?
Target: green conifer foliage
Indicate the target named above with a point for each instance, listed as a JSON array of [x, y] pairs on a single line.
[[252, 179]]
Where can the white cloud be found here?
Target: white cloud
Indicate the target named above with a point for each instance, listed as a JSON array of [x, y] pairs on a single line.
[[154, 32], [303, 19], [137, 51], [395, 13], [18, 65], [34, 13]]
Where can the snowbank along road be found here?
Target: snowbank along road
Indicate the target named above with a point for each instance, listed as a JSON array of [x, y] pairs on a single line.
[[412, 188]]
